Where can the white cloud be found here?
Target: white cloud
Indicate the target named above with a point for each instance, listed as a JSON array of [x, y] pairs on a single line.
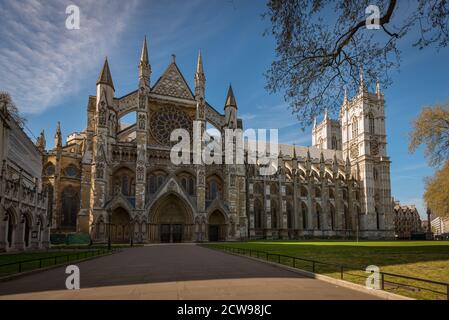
[[41, 61]]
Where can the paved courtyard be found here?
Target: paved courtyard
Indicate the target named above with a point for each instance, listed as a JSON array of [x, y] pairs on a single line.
[[178, 271]]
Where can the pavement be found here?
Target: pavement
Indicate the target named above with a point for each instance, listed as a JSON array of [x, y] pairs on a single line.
[[176, 272]]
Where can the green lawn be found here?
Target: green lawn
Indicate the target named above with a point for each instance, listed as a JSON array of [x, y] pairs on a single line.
[[9, 262], [420, 259]]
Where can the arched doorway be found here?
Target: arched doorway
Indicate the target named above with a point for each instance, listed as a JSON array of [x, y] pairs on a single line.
[[120, 226], [170, 220], [217, 226]]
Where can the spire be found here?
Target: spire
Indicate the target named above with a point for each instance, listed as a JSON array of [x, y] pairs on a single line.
[[345, 99], [335, 162], [348, 163], [144, 66], [314, 122], [199, 65], [105, 75], [308, 154], [144, 54], [321, 156], [326, 115], [294, 152], [362, 86], [41, 143], [230, 99], [58, 136], [378, 87], [200, 78]]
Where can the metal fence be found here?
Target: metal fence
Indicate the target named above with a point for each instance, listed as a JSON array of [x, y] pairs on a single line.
[[388, 281], [38, 263]]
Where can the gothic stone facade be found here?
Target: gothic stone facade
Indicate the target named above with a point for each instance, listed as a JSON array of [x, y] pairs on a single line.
[[116, 180], [24, 223]]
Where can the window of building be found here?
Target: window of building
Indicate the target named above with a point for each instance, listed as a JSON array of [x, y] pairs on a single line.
[[71, 171], [50, 169], [191, 188], [355, 128], [371, 123], [334, 143], [70, 206]]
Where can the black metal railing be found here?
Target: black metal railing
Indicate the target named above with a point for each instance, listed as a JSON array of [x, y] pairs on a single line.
[[388, 281], [38, 263]]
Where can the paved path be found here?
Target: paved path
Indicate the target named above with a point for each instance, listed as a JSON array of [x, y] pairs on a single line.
[[182, 271]]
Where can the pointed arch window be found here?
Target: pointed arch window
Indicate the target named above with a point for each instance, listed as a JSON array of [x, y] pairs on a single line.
[[304, 215], [274, 218], [371, 123], [334, 143], [355, 127], [70, 206], [191, 187]]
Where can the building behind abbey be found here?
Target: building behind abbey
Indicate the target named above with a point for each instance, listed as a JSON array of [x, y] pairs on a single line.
[[116, 179]]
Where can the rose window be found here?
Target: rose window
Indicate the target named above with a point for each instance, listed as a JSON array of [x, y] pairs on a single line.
[[163, 122]]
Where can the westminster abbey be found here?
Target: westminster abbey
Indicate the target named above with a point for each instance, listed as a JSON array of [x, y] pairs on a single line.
[[115, 180]]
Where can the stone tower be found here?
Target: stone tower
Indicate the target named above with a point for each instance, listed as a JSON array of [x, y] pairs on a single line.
[[364, 143]]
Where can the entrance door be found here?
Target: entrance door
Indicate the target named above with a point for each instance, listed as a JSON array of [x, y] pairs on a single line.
[[214, 232], [165, 233], [177, 232]]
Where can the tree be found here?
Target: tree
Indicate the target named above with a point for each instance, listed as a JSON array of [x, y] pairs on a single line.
[[431, 128], [437, 194], [322, 44], [6, 104]]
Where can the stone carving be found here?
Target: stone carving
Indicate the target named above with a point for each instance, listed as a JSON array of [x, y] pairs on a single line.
[[172, 84], [140, 172], [374, 147], [100, 170], [102, 114], [354, 150], [142, 121]]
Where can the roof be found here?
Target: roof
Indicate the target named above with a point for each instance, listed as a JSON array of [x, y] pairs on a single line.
[[105, 75], [172, 83]]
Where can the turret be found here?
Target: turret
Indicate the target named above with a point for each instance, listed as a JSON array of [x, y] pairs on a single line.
[[362, 85], [230, 109], [335, 165], [379, 94], [58, 136], [105, 84], [294, 159], [322, 164], [144, 66], [41, 143]]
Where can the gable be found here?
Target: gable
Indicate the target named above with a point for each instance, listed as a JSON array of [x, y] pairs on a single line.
[[173, 84]]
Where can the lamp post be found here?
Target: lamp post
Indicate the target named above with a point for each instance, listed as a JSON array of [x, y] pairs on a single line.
[[429, 224], [132, 233], [109, 228]]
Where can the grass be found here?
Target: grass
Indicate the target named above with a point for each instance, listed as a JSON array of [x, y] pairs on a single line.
[[420, 259], [9, 263]]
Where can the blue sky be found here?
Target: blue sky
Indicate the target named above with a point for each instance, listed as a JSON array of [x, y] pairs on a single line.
[[50, 71]]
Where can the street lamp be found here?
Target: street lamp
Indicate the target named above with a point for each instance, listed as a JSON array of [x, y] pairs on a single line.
[[429, 224], [109, 228]]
